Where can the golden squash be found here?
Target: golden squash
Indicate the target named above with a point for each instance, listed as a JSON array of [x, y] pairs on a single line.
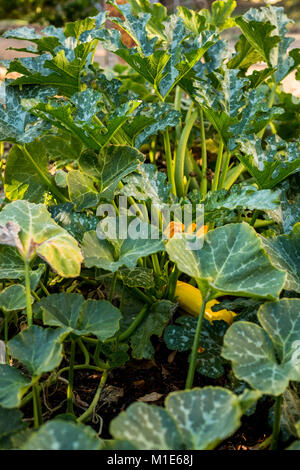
[[190, 300]]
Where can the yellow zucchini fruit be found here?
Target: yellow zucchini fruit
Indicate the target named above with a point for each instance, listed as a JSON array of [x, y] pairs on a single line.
[[190, 300]]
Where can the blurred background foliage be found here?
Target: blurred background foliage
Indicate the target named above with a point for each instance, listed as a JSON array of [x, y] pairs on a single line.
[[57, 12]]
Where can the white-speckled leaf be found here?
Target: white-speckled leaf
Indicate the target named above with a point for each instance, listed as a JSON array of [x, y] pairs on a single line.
[[284, 252], [147, 427], [231, 261], [204, 417], [267, 357], [63, 435]]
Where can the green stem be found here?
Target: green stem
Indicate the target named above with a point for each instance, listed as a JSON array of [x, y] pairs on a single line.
[[142, 295], [133, 326], [93, 405], [254, 217], [204, 156], [6, 336], [224, 169], [152, 150], [233, 175], [113, 286], [177, 106], [37, 409], [180, 154], [193, 360], [84, 351], [276, 424], [156, 265], [44, 288], [44, 177], [81, 367], [71, 378], [169, 161], [28, 293], [215, 182], [173, 283]]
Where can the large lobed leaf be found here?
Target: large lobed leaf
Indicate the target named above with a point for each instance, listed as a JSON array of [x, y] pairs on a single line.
[[197, 419], [267, 356], [231, 261]]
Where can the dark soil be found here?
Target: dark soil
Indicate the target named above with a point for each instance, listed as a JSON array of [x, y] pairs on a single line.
[[138, 379]]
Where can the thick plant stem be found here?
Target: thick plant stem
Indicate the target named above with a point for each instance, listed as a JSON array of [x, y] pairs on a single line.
[[156, 265], [204, 156], [173, 278], [169, 161], [43, 177], [71, 378], [193, 360], [37, 410], [224, 170], [180, 154], [233, 176], [276, 424], [93, 405], [215, 182], [28, 293]]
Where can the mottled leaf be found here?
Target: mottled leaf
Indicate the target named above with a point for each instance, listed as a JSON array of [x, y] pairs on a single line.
[[63, 435], [267, 357], [231, 261]]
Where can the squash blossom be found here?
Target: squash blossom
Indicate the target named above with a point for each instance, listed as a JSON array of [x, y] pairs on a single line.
[[178, 227], [190, 300]]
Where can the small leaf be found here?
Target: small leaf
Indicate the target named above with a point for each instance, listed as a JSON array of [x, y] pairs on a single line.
[[272, 164], [111, 254], [154, 324], [39, 349], [147, 184], [13, 385], [267, 357], [13, 298], [73, 313], [137, 277]]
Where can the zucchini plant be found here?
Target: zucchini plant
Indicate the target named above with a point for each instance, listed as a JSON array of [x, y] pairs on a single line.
[[99, 268]]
